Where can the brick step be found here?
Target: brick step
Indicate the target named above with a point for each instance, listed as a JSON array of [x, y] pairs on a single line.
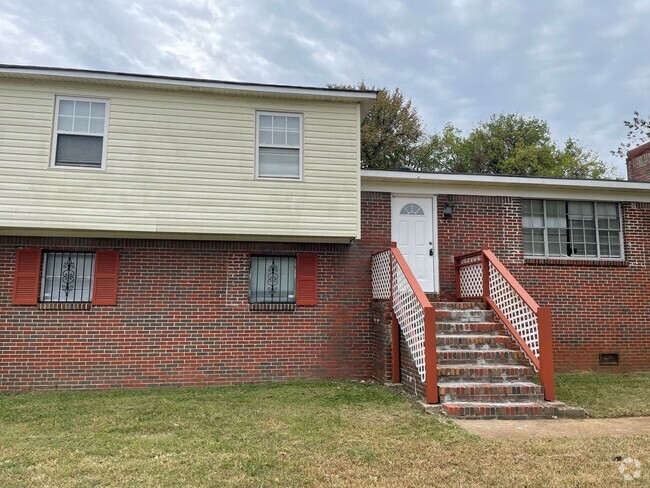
[[472, 341], [480, 356], [493, 373], [488, 410], [514, 391], [465, 316], [468, 327], [458, 305]]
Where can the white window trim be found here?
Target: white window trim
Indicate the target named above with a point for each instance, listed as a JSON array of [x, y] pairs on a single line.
[[300, 147], [580, 258], [55, 133]]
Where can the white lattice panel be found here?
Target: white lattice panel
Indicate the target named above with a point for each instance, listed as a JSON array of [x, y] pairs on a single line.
[[471, 278], [520, 315], [410, 316], [381, 275]]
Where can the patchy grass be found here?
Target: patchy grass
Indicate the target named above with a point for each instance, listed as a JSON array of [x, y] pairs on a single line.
[[294, 434], [606, 395]]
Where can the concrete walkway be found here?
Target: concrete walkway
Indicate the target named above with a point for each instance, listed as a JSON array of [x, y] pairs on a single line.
[[542, 429]]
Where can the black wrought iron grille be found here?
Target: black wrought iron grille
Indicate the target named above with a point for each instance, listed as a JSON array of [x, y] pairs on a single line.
[[273, 279], [67, 276]]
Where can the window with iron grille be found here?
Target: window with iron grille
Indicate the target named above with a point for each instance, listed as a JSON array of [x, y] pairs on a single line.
[[558, 228], [67, 276], [273, 279]]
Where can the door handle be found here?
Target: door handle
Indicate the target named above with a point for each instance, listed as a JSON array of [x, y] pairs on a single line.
[[431, 252]]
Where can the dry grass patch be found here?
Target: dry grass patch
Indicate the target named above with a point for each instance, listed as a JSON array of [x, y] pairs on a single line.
[[296, 434]]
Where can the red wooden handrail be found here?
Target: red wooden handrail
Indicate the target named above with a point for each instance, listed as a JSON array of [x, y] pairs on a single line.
[[544, 363], [511, 280], [410, 277], [472, 254], [430, 346]]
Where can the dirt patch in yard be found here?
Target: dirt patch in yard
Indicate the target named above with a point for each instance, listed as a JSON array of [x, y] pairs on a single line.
[[554, 429]]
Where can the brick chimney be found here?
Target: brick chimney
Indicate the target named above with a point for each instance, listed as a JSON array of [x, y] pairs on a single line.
[[638, 163]]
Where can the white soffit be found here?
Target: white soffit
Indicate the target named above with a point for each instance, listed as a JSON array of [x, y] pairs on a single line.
[[418, 183]]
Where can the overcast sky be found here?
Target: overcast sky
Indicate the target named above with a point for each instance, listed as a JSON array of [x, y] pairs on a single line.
[[582, 65]]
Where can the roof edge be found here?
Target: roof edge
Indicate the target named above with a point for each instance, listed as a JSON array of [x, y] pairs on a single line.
[[499, 180], [100, 75]]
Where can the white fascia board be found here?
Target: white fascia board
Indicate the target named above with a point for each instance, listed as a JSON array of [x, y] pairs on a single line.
[[514, 186], [253, 88]]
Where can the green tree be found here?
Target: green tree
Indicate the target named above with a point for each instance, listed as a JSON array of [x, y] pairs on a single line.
[[392, 130], [510, 144], [441, 151], [638, 132], [393, 136]]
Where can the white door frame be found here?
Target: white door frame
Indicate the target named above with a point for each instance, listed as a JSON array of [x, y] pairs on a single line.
[[434, 231]]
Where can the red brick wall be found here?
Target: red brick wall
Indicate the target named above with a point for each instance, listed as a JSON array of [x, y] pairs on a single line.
[[376, 229], [382, 343], [410, 377], [183, 317], [596, 308]]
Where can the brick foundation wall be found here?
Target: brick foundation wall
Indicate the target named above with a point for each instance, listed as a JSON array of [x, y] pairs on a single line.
[[598, 307], [382, 343], [183, 317], [410, 378]]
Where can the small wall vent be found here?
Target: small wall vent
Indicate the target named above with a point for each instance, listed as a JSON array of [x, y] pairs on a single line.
[[608, 359]]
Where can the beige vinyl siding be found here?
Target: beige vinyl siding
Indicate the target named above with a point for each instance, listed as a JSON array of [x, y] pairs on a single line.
[[177, 163]]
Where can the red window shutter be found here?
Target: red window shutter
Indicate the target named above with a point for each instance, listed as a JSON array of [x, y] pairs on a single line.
[[306, 279], [28, 272], [105, 280]]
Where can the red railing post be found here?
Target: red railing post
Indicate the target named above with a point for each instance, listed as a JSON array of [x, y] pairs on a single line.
[[395, 353], [430, 355], [457, 271], [546, 376], [486, 277]]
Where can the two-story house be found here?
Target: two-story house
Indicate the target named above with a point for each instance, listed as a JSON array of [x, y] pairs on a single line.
[[177, 231], [173, 231]]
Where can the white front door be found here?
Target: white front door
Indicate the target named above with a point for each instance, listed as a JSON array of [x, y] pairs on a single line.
[[412, 229]]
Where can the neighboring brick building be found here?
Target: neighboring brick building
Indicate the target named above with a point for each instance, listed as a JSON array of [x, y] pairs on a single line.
[[638, 163], [194, 232]]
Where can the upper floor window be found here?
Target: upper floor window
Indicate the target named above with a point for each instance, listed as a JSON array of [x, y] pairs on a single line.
[[557, 228], [80, 129], [279, 145]]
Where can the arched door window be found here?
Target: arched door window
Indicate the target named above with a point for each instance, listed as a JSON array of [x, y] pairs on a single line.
[[411, 209]]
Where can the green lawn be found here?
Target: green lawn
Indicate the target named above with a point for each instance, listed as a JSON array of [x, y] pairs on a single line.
[[606, 395], [295, 434]]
